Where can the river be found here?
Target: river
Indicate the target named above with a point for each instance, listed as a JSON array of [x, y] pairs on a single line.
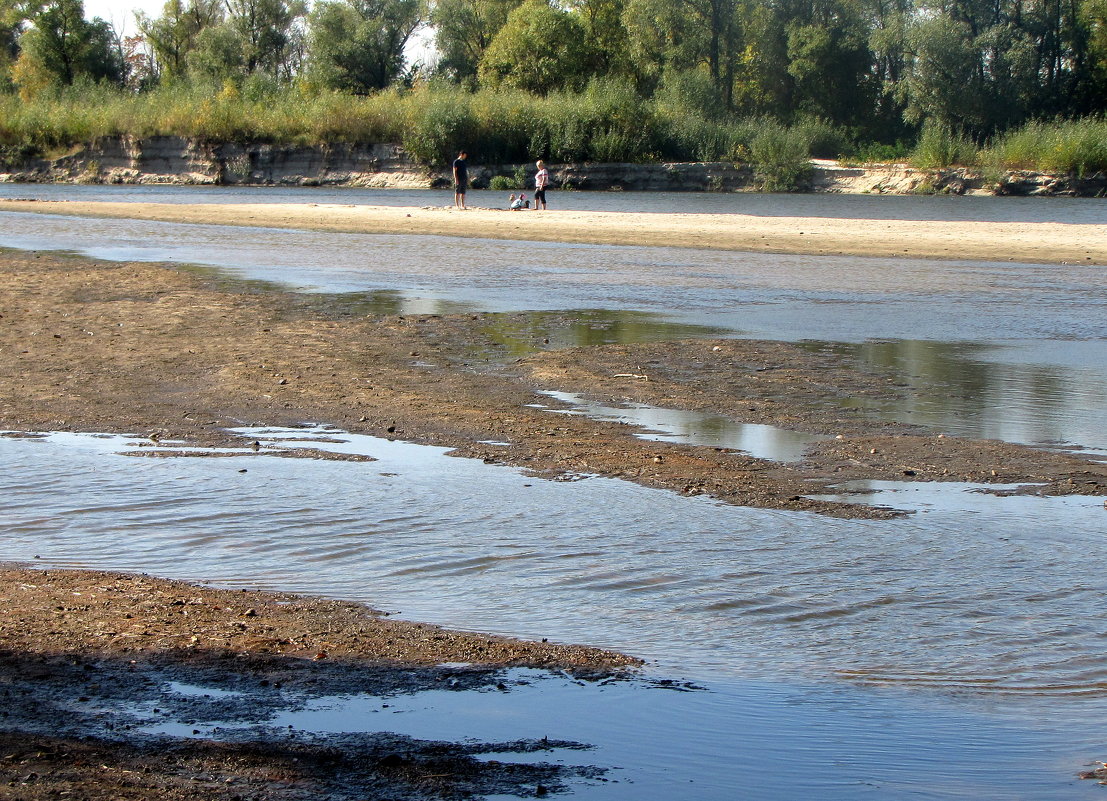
[[956, 653]]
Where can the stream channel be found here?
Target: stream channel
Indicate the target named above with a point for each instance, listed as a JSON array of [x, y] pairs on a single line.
[[959, 652]]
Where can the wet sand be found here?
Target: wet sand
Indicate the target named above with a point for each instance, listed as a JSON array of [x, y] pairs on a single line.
[[75, 645], [1037, 243]]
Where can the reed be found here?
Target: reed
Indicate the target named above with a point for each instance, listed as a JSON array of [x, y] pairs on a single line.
[[939, 147], [608, 121], [1078, 147]]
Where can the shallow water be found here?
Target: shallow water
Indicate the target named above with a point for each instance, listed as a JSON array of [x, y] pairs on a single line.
[[954, 653], [775, 742], [903, 662], [695, 428], [687, 582]]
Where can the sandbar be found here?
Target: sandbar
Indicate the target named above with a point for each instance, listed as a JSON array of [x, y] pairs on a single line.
[[1029, 242]]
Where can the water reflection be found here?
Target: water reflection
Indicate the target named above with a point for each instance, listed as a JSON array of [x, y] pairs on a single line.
[[959, 388], [521, 334], [697, 428], [659, 744]]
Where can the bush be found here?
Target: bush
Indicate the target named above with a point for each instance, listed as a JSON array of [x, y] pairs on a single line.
[[1070, 146], [940, 147], [782, 161]]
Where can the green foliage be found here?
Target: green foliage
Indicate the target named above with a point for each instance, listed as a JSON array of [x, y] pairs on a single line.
[[940, 147], [62, 48], [439, 126], [358, 45], [1078, 147], [781, 157], [501, 183], [540, 49], [264, 32], [463, 31], [172, 36], [875, 153], [217, 56]]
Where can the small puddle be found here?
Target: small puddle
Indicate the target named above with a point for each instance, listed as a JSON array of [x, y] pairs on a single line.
[[695, 428], [519, 334], [932, 496]]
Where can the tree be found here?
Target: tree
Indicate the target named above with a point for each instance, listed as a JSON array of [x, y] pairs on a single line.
[[217, 56], [62, 47], [944, 84], [12, 17], [605, 36], [358, 45], [829, 61], [265, 32], [665, 36], [463, 31], [539, 48], [1093, 18], [173, 35]]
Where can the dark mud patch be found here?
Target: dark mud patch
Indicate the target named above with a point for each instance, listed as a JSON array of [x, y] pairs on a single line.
[[90, 660]]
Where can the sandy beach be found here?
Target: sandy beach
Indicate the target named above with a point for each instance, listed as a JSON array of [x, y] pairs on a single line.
[[1037, 243]]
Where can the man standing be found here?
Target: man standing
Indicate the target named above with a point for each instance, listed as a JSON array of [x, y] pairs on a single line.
[[540, 181], [461, 179]]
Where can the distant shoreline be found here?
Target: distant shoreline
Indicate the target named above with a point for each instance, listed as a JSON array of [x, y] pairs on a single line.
[[1035, 243]]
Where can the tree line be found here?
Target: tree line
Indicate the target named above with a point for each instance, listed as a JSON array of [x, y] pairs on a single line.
[[881, 69]]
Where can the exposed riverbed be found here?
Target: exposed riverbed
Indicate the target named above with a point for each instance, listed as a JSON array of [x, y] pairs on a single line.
[[951, 652]]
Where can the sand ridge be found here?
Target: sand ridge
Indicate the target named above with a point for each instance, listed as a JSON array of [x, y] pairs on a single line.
[[1029, 242]]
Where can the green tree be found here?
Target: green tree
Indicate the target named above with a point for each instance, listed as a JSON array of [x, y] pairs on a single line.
[[605, 36], [358, 45], [173, 35], [943, 83], [266, 32], [464, 29], [12, 17], [829, 60], [1093, 19], [62, 47], [217, 56], [664, 36], [539, 48]]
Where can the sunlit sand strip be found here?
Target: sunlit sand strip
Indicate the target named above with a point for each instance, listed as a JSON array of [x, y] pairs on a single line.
[[1044, 243]]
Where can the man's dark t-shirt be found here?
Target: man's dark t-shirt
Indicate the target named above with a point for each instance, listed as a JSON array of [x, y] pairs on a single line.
[[461, 173]]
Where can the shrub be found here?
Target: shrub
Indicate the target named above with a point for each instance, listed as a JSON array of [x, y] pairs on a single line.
[[781, 157], [940, 147], [1071, 146]]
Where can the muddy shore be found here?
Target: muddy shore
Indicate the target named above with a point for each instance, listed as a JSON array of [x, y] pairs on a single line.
[[88, 661], [162, 352]]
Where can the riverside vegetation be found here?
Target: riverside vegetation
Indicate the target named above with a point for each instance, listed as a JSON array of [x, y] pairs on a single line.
[[995, 86]]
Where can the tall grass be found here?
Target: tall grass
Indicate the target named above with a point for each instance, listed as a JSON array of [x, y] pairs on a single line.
[[782, 157], [1068, 146], [607, 122], [939, 147]]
